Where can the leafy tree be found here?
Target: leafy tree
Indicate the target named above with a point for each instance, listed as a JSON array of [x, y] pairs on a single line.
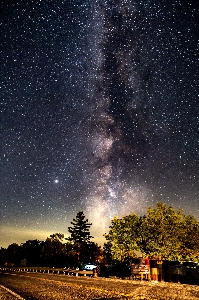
[[123, 236], [163, 231], [169, 233], [190, 238], [80, 232], [159, 232]]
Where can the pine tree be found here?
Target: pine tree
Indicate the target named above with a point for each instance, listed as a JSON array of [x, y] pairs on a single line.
[[80, 232]]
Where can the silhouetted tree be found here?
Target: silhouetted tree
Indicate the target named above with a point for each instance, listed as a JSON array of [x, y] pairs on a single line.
[[3, 257], [80, 232], [31, 251], [14, 255], [53, 251], [108, 258], [80, 237]]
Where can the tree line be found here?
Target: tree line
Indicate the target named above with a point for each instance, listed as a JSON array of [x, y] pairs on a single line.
[[56, 251], [162, 232]]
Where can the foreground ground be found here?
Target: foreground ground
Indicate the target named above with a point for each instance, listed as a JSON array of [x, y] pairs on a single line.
[[47, 286]]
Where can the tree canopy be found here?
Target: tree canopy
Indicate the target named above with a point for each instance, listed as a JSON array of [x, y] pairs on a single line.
[[163, 232], [122, 236]]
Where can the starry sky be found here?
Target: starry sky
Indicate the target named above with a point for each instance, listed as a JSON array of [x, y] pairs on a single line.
[[99, 112]]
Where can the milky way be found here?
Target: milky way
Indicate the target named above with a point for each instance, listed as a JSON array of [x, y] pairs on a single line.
[[144, 122], [100, 112]]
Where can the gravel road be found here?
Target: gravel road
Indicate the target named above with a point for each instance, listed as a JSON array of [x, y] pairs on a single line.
[[47, 286]]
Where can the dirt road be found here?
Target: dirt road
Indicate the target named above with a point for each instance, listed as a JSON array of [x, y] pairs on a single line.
[[61, 287]]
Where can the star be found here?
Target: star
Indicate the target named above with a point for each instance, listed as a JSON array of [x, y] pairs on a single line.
[[99, 104]]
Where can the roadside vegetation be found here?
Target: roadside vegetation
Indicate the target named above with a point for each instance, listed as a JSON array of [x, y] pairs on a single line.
[[163, 233]]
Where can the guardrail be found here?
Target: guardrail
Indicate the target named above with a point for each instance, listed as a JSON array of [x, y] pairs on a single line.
[[69, 272]]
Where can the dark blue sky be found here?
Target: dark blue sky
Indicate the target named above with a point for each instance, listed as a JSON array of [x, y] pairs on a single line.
[[100, 112]]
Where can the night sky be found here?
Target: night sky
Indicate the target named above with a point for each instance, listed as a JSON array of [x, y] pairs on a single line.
[[99, 112]]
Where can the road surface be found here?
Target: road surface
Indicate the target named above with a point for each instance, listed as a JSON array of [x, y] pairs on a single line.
[[24, 286]]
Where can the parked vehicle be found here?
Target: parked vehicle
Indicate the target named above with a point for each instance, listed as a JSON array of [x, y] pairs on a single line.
[[89, 267]]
